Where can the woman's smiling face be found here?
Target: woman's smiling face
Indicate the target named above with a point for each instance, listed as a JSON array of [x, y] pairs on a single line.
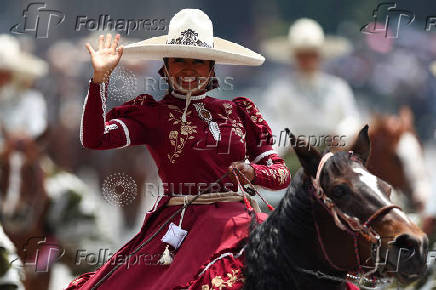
[[189, 74]]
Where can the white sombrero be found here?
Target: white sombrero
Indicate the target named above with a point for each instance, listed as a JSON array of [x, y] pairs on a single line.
[[15, 60], [305, 35], [190, 35]]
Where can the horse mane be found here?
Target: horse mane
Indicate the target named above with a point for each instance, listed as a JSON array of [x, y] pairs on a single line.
[[285, 239]]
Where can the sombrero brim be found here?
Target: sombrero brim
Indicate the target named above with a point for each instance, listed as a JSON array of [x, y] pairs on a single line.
[[26, 65], [34, 67], [279, 49], [223, 52]]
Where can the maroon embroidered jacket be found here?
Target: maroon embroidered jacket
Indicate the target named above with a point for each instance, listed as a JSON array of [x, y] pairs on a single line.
[[196, 151], [186, 153]]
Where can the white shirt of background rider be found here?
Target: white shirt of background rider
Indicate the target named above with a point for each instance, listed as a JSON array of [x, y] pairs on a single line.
[[322, 104], [23, 111]]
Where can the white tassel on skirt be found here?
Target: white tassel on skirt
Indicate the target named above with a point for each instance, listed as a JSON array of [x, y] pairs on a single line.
[[166, 258]]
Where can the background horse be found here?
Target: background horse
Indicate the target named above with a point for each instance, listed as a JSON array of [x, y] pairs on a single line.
[[24, 201], [397, 157], [315, 237], [43, 215]]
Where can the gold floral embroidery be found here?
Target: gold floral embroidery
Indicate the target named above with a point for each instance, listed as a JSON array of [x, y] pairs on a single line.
[[237, 126], [228, 107], [218, 282], [76, 281], [178, 140], [257, 117], [282, 174], [279, 174], [139, 100], [233, 278]]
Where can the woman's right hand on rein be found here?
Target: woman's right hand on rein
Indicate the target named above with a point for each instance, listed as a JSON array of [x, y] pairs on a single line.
[[106, 58]]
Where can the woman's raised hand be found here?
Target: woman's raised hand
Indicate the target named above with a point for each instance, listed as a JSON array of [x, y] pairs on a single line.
[[106, 58]]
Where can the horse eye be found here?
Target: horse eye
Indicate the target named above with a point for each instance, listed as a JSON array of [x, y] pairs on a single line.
[[178, 59], [340, 191], [198, 61]]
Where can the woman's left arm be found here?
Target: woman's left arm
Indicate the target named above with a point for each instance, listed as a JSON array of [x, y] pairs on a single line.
[[266, 167]]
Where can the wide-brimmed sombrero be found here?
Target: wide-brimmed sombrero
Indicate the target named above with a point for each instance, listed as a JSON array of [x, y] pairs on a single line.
[[305, 35], [190, 35], [15, 60]]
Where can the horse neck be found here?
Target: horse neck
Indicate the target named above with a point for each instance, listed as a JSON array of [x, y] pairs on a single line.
[[298, 235]]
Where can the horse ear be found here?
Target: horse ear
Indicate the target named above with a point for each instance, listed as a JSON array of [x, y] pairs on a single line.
[[362, 145], [308, 156]]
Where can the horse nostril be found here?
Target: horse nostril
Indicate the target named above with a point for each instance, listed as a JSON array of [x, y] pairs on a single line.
[[407, 241]]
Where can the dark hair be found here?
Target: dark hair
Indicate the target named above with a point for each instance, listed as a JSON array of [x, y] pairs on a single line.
[[213, 82]]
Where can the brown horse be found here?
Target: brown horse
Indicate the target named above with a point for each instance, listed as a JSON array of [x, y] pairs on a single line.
[[37, 222], [336, 217], [397, 157], [24, 202]]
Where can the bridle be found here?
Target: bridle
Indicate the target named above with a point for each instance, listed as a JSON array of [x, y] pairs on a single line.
[[351, 225]]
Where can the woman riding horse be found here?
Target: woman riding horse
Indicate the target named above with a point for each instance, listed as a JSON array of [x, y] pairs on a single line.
[[202, 145]]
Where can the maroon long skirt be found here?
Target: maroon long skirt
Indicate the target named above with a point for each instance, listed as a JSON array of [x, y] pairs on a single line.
[[210, 257]]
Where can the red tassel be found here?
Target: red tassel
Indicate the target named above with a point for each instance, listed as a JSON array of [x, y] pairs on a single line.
[[247, 204], [270, 207]]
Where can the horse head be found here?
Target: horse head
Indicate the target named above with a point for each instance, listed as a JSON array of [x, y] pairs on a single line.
[[357, 207]]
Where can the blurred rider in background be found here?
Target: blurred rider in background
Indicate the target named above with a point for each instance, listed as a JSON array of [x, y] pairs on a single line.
[[23, 110], [304, 98]]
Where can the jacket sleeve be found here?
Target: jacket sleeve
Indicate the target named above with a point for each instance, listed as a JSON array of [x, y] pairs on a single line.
[[270, 169], [128, 124]]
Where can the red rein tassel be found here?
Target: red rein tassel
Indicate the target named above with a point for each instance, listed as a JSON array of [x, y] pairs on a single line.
[[247, 204]]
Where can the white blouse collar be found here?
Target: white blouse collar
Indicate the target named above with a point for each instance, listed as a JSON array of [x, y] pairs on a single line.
[[183, 97]]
